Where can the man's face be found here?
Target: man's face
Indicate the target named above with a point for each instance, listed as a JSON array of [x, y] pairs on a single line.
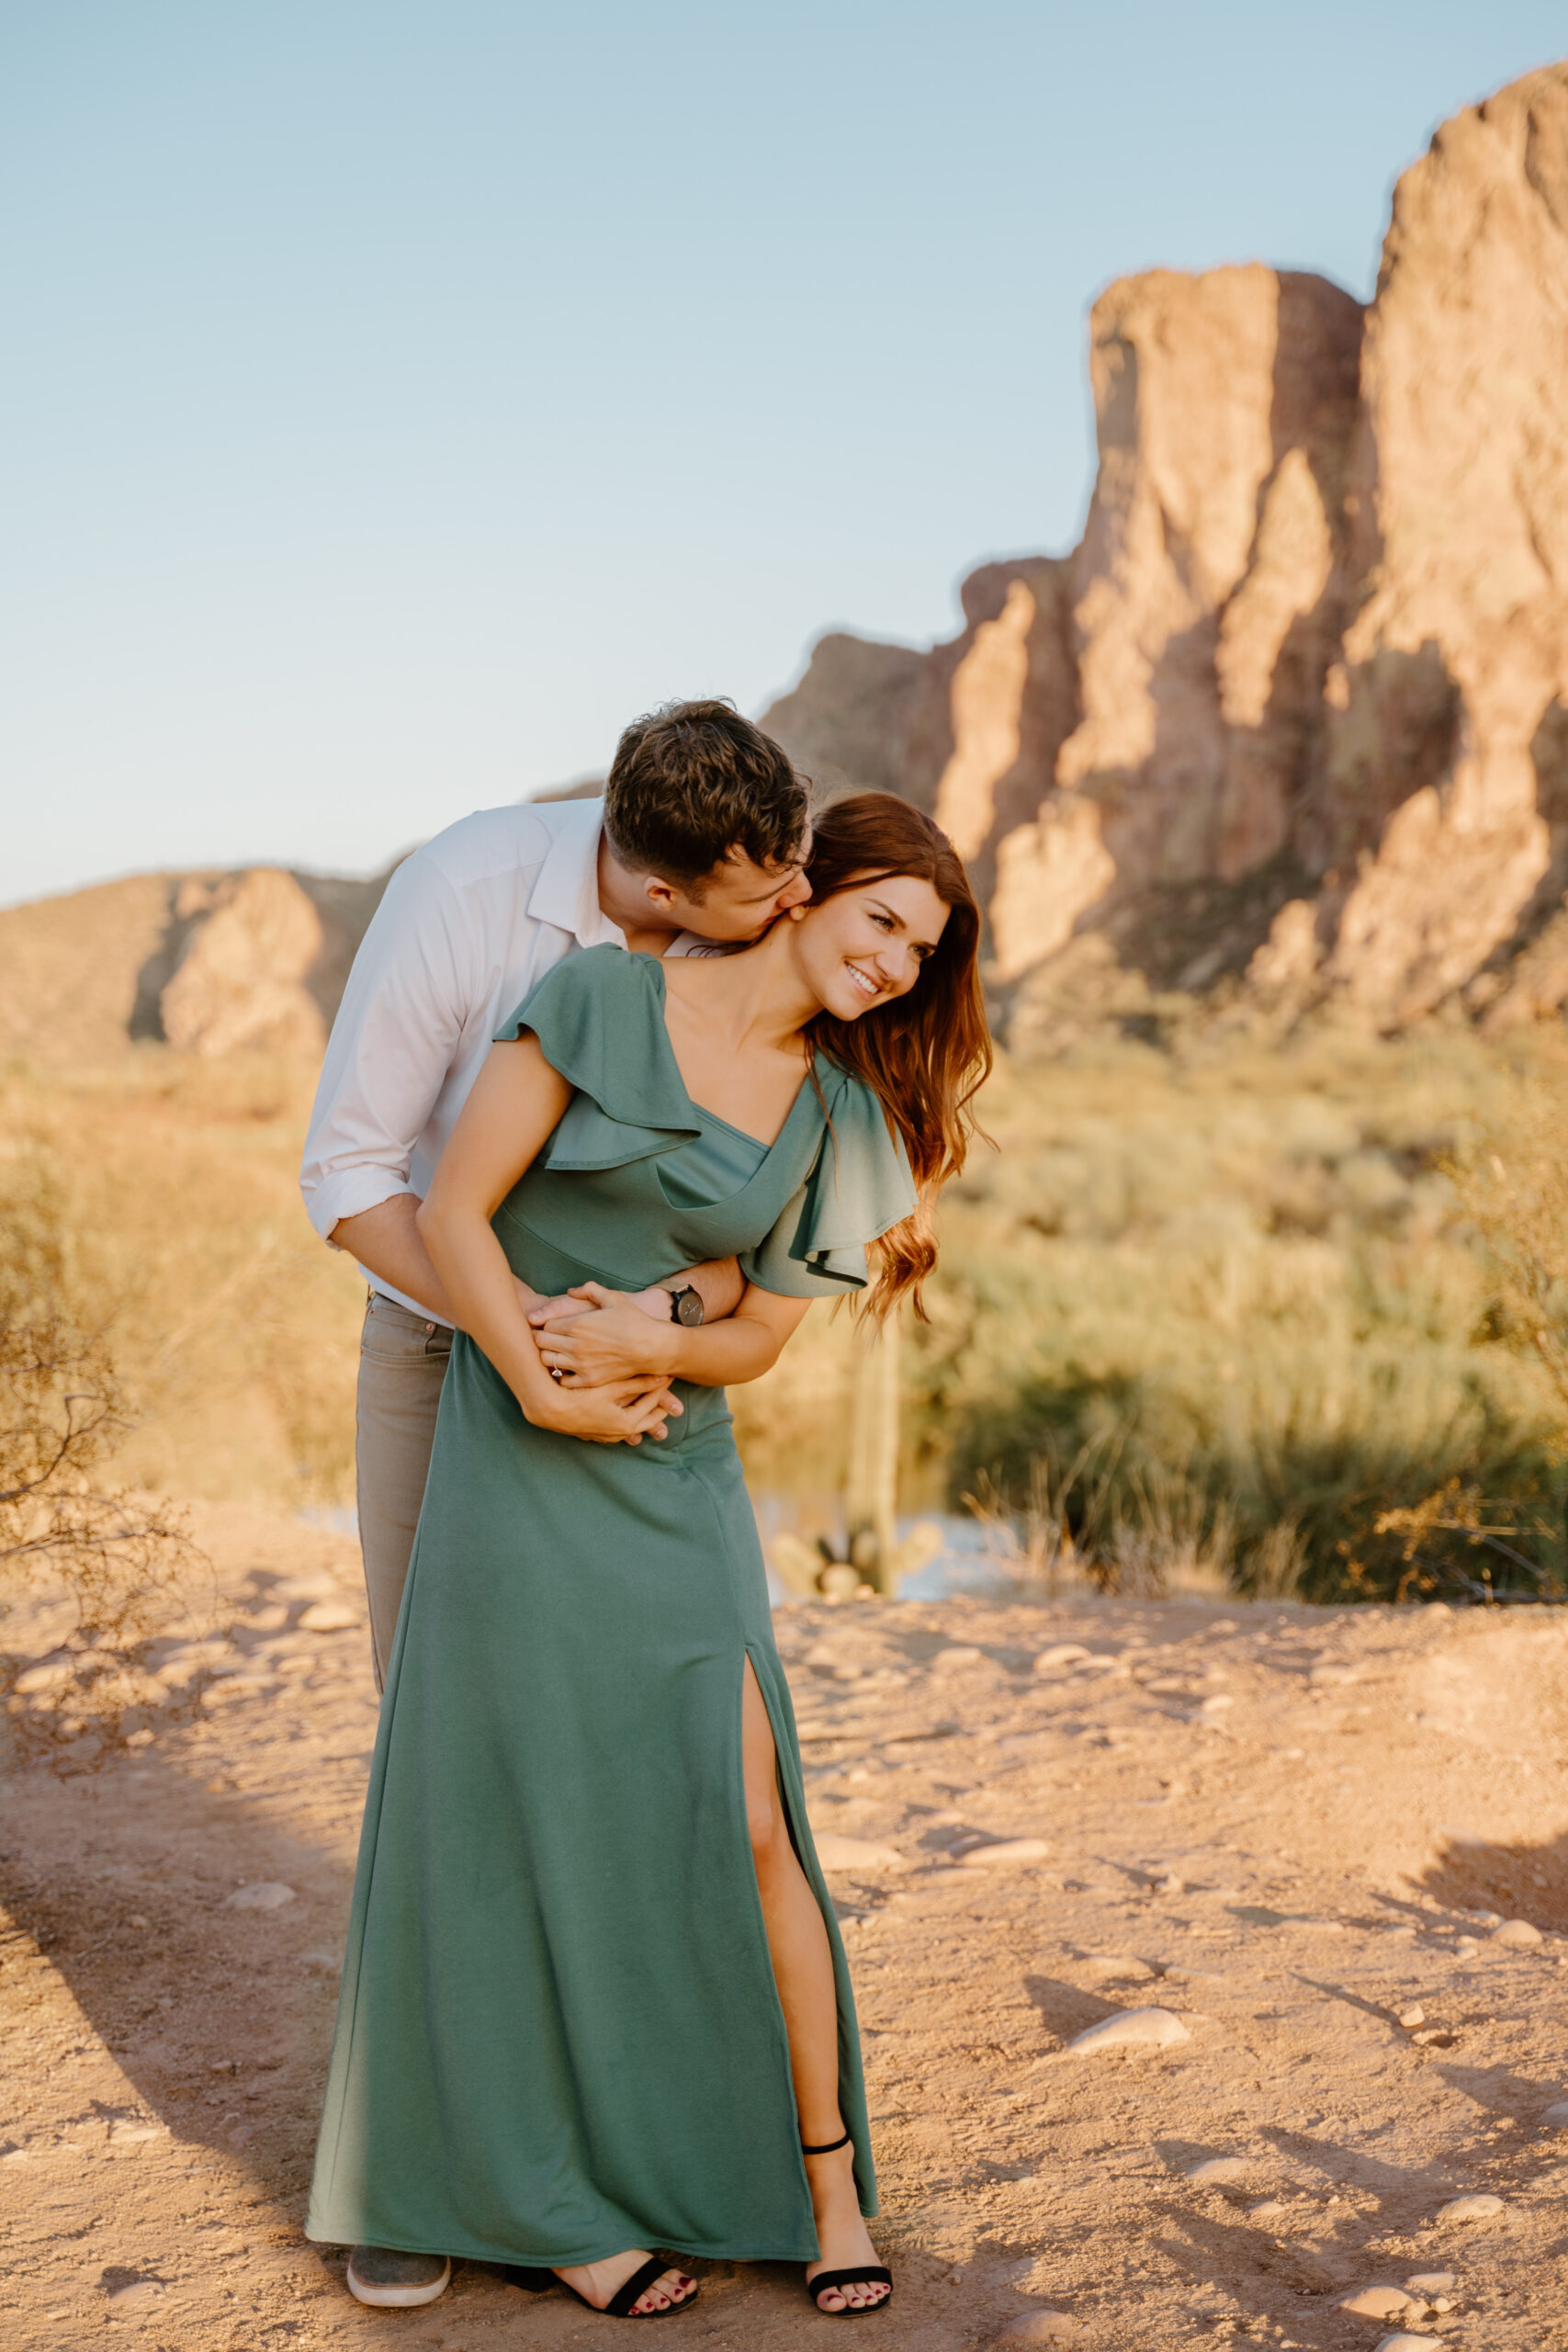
[[739, 901]]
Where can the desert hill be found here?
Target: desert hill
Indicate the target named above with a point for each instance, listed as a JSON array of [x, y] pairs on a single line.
[[1289, 723], [205, 961]]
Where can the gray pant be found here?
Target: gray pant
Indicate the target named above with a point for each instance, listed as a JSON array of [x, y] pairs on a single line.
[[403, 1362]]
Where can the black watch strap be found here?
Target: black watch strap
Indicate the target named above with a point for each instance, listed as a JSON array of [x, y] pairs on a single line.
[[686, 1306]]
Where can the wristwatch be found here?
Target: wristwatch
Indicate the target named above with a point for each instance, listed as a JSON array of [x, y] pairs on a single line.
[[686, 1306]]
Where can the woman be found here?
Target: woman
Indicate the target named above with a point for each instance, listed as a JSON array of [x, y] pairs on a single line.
[[594, 1998]]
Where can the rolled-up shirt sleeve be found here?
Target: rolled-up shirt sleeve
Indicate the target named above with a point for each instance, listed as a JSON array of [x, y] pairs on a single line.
[[392, 1045]]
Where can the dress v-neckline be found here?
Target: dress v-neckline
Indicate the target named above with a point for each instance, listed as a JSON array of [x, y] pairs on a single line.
[[766, 1148]]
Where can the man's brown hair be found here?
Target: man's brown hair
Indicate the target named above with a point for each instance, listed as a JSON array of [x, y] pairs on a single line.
[[693, 780]]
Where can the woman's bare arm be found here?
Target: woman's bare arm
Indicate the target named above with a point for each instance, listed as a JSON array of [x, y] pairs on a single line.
[[516, 1105], [716, 1355], [718, 1283], [387, 1241]]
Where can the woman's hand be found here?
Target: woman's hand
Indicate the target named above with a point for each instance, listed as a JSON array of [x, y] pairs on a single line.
[[621, 1413], [607, 1335]]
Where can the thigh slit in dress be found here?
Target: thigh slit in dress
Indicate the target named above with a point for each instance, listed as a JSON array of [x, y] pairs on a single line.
[[558, 2034]]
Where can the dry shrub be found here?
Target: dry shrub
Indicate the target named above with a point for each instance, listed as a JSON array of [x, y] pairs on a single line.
[[1496, 1566], [92, 1572], [1145, 1537], [234, 1328], [1235, 1311], [1512, 1182], [1030, 1552]]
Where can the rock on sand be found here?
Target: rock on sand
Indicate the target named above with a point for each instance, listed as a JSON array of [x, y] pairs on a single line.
[[1132, 2030], [856, 1854], [1470, 2209], [136, 2297], [1006, 1854], [1380, 2302], [328, 1617]]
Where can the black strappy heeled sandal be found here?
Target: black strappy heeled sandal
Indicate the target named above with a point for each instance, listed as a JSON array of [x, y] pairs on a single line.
[[872, 2274], [539, 2282]]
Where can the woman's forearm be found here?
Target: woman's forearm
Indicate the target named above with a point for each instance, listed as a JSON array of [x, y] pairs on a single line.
[[478, 1280], [516, 1102], [618, 1338], [724, 1355]]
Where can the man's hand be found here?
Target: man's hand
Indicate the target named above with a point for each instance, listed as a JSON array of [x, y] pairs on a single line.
[[620, 1413], [608, 1335], [564, 1309]]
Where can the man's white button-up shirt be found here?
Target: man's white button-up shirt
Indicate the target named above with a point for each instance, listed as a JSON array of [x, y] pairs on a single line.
[[469, 924]]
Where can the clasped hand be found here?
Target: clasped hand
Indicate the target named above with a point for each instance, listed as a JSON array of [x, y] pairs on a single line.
[[594, 1335], [608, 1354]]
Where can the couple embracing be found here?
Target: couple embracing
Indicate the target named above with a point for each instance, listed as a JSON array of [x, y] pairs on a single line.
[[595, 2012]]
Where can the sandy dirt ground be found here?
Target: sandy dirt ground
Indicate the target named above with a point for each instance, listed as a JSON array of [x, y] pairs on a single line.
[[1305, 1839]]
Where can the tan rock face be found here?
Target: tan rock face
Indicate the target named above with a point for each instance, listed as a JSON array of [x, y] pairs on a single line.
[[1048, 873], [1466, 451], [969, 729], [1226, 405], [1297, 706], [241, 981], [208, 962], [986, 703]]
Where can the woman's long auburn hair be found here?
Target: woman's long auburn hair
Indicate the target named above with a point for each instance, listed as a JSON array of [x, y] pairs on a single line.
[[925, 1055]]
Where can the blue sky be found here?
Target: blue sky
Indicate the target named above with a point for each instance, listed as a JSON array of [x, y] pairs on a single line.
[[398, 397]]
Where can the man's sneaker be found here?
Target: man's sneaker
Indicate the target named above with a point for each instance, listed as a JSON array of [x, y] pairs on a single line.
[[379, 2275]]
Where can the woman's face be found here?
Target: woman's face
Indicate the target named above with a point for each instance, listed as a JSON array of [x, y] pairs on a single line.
[[866, 945]]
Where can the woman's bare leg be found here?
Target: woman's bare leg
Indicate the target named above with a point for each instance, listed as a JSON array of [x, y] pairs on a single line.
[[803, 1971]]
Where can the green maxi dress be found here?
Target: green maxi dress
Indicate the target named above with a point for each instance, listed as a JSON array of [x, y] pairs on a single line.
[[558, 2034]]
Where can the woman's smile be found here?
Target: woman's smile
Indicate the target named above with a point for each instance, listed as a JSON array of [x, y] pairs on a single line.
[[868, 983]]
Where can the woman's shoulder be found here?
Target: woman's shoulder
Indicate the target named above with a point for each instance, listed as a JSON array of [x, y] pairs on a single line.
[[599, 1019], [583, 984]]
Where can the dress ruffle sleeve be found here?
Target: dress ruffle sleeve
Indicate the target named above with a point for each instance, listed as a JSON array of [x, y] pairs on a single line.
[[600, 1022], [858, 1185]]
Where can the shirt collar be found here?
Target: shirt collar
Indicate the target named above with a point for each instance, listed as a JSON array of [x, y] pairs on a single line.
[[567, 892]]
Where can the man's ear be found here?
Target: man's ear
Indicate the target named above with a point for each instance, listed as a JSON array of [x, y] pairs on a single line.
[[660, 895]]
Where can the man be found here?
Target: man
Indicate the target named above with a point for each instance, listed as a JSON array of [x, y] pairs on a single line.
[[701, 835]]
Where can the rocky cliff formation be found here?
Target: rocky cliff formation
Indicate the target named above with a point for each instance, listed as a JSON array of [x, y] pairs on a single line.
[[1296, 709], [206, 962]]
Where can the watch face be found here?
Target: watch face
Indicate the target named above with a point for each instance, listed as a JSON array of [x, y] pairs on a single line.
[[689, 1308]]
